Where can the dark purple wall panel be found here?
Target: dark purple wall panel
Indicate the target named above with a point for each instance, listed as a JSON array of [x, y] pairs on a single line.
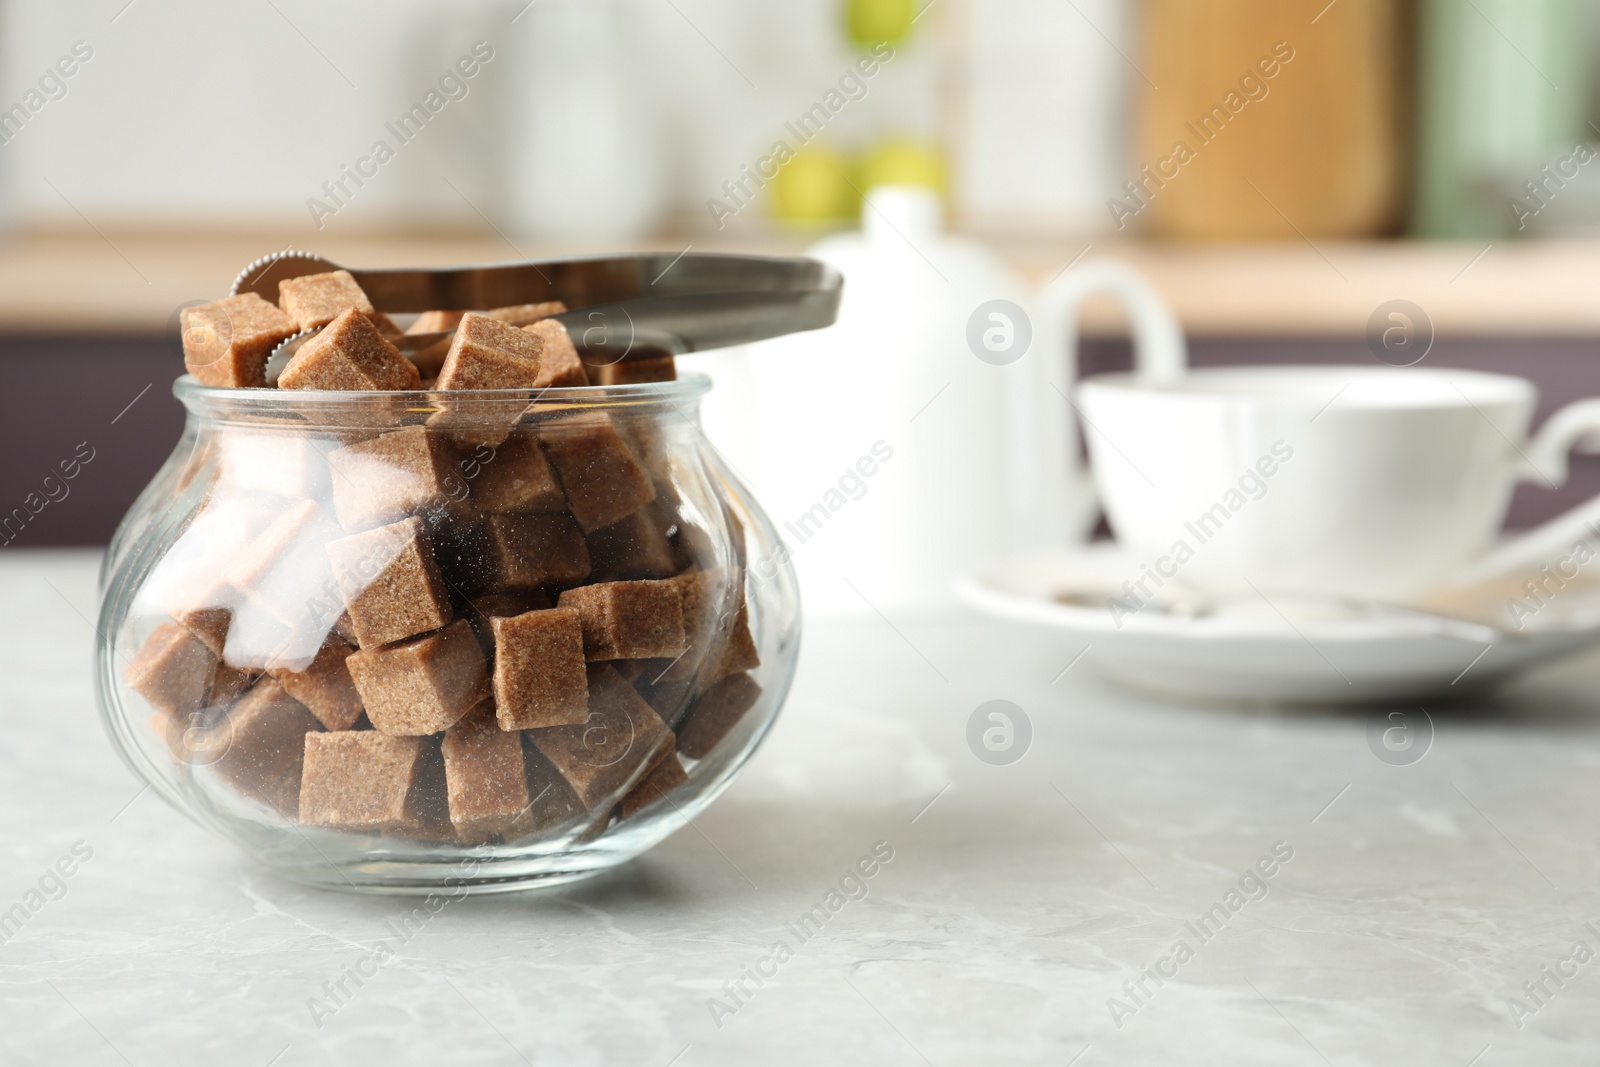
[[65, 391]]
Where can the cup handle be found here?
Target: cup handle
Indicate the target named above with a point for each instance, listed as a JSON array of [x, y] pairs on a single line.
[[1546, 462], [1547, 457]]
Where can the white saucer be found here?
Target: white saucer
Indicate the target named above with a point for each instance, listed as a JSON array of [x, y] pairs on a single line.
[[1277, 650]]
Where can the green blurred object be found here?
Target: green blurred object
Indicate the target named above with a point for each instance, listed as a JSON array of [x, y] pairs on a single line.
[[870, 21], [1502, 92], [903, 161], [814, 189]]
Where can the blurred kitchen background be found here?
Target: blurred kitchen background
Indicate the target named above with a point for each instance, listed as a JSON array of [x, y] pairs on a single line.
[[1338, 156]]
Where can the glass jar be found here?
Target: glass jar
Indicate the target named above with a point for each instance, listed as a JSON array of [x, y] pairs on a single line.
[[403, 641]]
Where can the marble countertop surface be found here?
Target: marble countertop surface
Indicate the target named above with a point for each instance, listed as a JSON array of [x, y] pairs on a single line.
[[1149, 883]]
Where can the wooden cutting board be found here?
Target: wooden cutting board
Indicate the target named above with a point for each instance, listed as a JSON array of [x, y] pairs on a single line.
[[1271, 119]]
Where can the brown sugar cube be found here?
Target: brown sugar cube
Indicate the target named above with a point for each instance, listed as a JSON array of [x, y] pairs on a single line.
[[666, 684], [633, 547], [325, 687], [629, 620], [484, 354], [517, 478], [539, 674], [227, 343], [702, 593], [696, 549], [636, 371], [622, 736], [386, 326], [393, 475], [194, 739], [551, 802], [430, 359], [559, 365], [209, 624], [361, 781], [663, 687], [528, 551], [228, 684], [423, 685], [425, 815], [649, 443], [735, 651], [715, 715], [488, 354], [435, 322], [261, 744], [739, 652], [349, 353], [599, 472], [284, 569], [430, 797], [641, 672], [486, 777], [317, 299], [462, 556], [524, 313], [389, 582], [720, 627], [666, 775], [190, 735], [509, 602], [487, 607], [505, 604], [172, 670]]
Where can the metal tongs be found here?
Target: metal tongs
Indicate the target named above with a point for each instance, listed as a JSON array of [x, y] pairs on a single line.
[[620, 307]]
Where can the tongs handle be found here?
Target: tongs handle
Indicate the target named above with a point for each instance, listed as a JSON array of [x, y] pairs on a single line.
[[641, 304], [693, 322]]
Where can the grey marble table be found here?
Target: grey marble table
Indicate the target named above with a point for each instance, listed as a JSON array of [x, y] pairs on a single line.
[[1150, 883]]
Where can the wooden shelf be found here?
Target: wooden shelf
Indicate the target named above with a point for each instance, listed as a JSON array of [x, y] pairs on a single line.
[[132, 284], [1511, 289]]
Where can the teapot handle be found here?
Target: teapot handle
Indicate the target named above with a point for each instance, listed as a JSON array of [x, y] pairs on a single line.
[[1050, 444], [1160, 355]]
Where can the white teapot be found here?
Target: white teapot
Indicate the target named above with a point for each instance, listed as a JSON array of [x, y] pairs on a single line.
[[892, 457]]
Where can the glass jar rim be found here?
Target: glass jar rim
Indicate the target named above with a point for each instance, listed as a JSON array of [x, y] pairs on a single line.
[[223, 403]]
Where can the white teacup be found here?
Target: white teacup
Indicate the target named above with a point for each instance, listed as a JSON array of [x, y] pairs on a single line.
[[1377, 482]]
